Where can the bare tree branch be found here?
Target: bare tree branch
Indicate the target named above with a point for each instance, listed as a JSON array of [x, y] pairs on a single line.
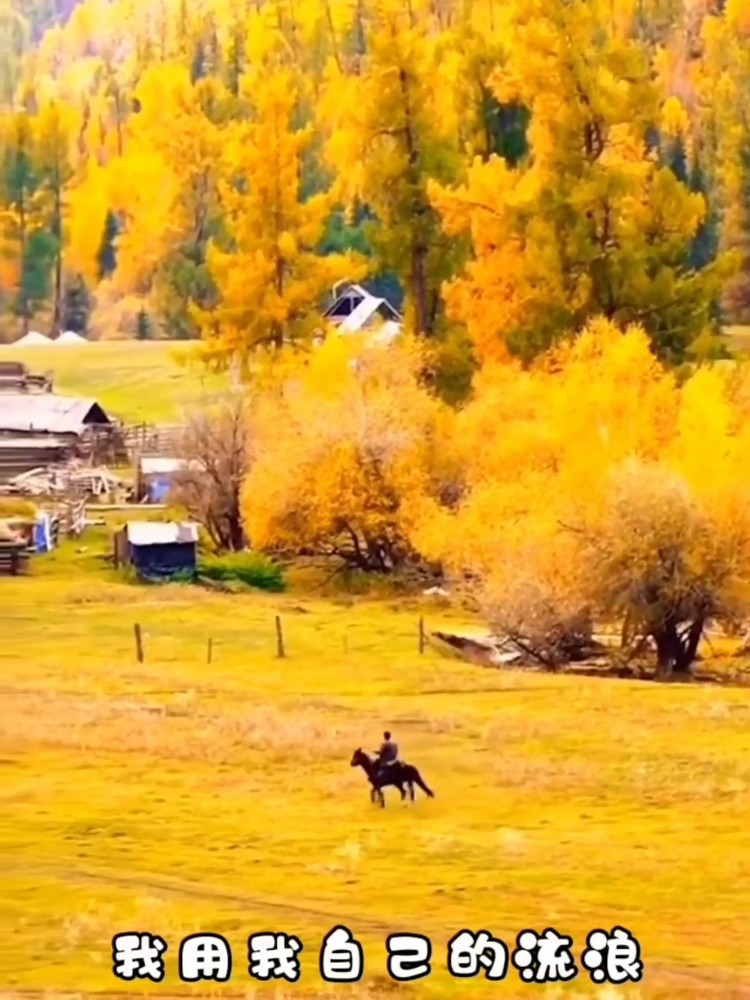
[[217, 455]]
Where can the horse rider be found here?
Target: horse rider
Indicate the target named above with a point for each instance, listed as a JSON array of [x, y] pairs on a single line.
[[387, 755]]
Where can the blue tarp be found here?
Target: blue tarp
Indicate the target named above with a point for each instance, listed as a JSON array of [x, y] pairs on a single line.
[[42, 534], [158, 490]]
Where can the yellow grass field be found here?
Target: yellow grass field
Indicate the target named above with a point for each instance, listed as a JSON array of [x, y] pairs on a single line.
[[134, 380], [177, 796]]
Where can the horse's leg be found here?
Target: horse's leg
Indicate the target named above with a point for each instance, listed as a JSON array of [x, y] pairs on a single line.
[[411, 790], [382, 798], [403, 792]]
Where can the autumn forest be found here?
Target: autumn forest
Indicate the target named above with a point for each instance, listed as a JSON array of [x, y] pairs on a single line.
[[507, 170], [556, 193]]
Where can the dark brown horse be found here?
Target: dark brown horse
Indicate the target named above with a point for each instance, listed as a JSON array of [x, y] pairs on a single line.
[[397, 774]]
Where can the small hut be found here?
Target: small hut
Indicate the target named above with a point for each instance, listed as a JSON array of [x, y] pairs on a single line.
[[158, 550]]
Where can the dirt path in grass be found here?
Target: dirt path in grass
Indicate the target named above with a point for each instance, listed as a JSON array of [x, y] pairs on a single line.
[[661, 979], [170, 886]]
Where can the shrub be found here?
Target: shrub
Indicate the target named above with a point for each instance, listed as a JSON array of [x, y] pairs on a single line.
[[250, 568], [346, 455]]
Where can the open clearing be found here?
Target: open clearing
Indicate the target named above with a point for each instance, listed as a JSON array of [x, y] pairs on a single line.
[[147, 381], [137, 381], [176, 796]]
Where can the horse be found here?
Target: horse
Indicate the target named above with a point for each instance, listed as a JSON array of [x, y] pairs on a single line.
[[397, 774]]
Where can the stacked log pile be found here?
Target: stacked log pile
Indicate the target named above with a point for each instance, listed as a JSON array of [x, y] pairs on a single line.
[[15, 377], [69, 479]]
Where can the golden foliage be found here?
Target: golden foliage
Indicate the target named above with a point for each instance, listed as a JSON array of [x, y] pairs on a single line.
[[391, 127], [595, 481], [345, 455], [271, 281], [521, 168], [592, 224]]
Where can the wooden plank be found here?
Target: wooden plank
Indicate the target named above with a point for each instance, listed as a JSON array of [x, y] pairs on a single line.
[[142, 507], [138, 642], [280, 651]]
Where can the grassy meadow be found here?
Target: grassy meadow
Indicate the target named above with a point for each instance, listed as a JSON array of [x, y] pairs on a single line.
[[154, 381], [177, 796], [136, 381]]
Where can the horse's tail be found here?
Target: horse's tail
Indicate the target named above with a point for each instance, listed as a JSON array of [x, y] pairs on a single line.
[[418, 781]]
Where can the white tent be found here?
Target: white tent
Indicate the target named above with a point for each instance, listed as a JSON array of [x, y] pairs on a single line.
[[31, 339], [70, 337]]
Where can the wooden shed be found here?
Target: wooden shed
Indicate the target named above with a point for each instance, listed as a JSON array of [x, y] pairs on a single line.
[[157, 549], [39, 429]]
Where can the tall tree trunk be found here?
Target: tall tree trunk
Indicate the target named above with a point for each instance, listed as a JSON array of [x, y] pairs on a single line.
[[692, 640], [23, 299], [57, 223], [361, 42], [236, 532], [418, 269], [118, 120], [676, 653], [668, 648]]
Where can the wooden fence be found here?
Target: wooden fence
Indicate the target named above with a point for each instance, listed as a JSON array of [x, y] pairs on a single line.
[[274, 637], [67, 520], [72, 517], [14, 559], [147, 439]]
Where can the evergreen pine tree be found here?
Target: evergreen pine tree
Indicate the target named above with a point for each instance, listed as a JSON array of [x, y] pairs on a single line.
[[143, 325], [107, 257], [76, 306]]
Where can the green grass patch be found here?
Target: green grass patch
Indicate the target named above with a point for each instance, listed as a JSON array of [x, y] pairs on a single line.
[[252, 569], [136, 381]]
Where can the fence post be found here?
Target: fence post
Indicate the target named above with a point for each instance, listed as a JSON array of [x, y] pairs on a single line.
[[280, 653], [138, 642], [421, 635]]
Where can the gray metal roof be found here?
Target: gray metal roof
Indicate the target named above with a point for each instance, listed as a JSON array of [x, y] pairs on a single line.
[[155, 465], [46, 413], [160, 533]]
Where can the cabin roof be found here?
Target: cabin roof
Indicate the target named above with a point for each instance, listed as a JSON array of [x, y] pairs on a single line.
[[367, 306], [48, 414]]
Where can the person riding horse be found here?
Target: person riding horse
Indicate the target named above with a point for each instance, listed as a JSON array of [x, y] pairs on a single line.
[[387, 769], [387, 755]]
